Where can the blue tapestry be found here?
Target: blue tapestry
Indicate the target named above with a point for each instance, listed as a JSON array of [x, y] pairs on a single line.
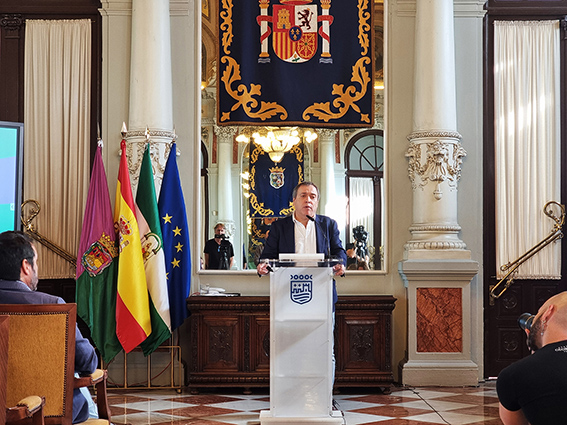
[[271, 188], [295, 63], [271, 184]]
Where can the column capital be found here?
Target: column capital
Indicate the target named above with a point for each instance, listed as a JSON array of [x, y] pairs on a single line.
[[160, 142], [326, 134], [225, 133]]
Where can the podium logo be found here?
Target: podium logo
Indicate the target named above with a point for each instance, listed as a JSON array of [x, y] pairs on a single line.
[[301, 288]]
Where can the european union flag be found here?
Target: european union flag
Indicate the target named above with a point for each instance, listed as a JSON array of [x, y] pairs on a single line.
[[173, 219]]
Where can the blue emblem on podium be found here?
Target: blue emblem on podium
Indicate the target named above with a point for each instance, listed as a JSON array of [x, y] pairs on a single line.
[[301, 288]]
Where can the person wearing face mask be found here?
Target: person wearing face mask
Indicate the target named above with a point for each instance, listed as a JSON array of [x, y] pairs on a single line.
[[219, 253], [533, 390]]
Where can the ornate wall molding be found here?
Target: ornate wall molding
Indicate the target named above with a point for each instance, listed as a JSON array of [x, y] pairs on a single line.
[[160, 142], [435, 161], [327, 134], [225, 133], [434, 134], [434, 228], [436, 245], [12, 22]]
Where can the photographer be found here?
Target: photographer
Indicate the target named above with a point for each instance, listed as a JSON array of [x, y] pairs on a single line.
[[533, 390], [219, 254]]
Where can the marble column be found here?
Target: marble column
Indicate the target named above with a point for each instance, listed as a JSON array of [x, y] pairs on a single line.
[[437, 268], [151, 106], [327, 162], [225, 137]]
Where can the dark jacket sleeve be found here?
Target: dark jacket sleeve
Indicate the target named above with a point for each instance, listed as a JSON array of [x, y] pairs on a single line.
[[280, 239], [337, 249], [86, 360]]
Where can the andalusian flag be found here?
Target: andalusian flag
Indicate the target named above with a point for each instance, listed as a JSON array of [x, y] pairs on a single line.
[[154, 259], [133, 324], [175, 232], [97, 264]]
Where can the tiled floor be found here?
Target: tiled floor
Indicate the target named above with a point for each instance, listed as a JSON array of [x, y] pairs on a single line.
[[404, 406]]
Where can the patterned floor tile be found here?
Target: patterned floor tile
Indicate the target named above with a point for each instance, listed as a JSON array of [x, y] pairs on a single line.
[[404, 406]]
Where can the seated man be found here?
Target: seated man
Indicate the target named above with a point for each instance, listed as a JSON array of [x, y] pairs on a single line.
[[532, 390], [18, 285]]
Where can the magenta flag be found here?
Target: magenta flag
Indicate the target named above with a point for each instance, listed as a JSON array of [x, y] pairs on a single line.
[[97, 265]]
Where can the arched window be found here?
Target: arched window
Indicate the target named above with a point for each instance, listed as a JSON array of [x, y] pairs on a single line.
[[364, 158]]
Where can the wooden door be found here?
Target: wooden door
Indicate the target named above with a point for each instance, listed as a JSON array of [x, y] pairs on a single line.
[[504, 341]]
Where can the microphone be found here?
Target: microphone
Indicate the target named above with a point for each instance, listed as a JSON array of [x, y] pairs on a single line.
[[327, 244]]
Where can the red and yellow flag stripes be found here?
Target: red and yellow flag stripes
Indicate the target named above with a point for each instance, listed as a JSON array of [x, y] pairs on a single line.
[[133, 323]]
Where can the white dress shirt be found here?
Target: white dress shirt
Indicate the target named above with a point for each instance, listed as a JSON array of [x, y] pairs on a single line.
[[305, 237]]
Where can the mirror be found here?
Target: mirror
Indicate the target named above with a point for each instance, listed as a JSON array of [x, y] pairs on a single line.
[[236, 170]]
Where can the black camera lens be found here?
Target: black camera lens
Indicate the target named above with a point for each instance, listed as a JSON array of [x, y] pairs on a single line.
[[526, 320]]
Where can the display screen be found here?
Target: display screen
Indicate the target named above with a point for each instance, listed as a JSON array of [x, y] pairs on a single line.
[[11, 145]]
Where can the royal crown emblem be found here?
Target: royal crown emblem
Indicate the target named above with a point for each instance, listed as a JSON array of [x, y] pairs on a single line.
[[277, 178], [99, 255], [295, 27]]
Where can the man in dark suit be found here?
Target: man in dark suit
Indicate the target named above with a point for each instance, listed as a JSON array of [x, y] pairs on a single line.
[[18, 285], [304, 231]]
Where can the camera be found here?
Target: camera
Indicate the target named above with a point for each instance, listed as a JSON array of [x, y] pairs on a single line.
[[525, 321]]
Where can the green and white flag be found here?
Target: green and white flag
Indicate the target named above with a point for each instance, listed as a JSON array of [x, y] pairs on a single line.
[[154, 259]]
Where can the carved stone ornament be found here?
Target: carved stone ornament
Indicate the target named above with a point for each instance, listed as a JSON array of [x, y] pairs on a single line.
[[436, 161], [160, 147], [326, 134], [225, 133], [12, 22], [453, 244]]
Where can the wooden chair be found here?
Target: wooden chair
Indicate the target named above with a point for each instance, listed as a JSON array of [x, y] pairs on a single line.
[[30, 407], [41, 359]]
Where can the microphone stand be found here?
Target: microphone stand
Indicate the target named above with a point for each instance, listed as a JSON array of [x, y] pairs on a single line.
[[328, 259]]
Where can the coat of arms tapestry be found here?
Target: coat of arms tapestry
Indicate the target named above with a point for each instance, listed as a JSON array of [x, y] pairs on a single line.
[[271, 188], [295, 63]]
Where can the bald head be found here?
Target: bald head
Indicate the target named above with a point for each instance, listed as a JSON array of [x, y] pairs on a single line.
[[559, 303]]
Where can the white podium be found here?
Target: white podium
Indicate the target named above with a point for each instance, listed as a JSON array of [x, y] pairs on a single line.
[[301, 345]]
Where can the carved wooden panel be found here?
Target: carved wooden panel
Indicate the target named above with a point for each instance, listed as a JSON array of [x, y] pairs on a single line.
[[221, 343], [230, 341], [260, 348]]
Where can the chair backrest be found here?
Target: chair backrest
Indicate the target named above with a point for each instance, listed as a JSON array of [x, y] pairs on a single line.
[[41, 356], [4, 334]]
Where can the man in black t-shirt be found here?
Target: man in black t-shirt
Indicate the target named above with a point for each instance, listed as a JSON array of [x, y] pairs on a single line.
[[534, 390], [219, 253]]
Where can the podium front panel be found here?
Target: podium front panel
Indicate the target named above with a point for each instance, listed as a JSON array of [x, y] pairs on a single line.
[[301, 336]]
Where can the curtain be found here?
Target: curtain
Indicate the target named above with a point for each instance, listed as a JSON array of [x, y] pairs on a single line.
[[527, 142], [57, 99], [361, 198]]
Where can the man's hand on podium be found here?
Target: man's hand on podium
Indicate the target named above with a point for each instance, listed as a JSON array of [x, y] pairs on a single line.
[[263, 268], [339, 269]]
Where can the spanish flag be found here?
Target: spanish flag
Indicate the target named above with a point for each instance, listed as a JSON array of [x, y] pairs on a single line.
[[133, 323]]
